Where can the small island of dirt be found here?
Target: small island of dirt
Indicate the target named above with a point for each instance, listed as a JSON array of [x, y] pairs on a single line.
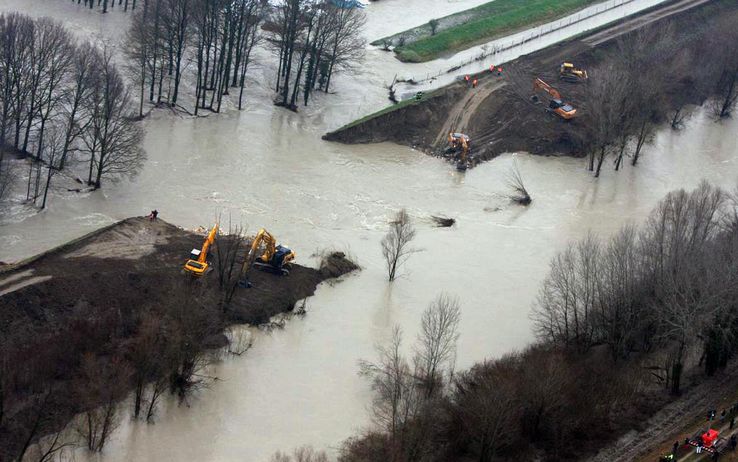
[[87, 318]]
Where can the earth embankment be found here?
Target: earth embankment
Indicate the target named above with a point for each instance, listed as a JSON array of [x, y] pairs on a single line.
[[499, 114]]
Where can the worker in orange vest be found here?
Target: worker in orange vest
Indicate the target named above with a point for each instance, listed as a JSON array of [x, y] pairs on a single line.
[[466, 79], [474, 83], [499, 71], [492, 68]]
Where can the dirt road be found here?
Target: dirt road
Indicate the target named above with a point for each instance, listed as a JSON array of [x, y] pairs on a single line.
[[668, 424], [641, 20], [461, 113]]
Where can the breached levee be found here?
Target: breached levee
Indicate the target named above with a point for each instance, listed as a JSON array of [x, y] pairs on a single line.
[[411, 123]]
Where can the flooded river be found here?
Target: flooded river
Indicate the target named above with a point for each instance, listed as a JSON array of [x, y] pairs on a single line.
[[268, 167]]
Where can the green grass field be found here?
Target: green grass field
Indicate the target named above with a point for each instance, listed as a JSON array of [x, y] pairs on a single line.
[[491, 20]]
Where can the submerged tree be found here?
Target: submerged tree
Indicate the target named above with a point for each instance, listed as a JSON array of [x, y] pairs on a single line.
[[395, 244]]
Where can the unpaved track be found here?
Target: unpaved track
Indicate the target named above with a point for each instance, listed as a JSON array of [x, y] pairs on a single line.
[[671, 419], [464, 109], [640, 21]]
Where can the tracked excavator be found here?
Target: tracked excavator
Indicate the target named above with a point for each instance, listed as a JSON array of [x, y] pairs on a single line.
[[555, 104], [274, 258], [459, 142], [569, 73], [197, 265]]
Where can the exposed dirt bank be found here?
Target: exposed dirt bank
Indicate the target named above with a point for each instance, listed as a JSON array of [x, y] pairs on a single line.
[[94, 297], [130, 261], [499, 116]]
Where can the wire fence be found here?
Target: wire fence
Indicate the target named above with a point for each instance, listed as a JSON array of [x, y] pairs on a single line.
[[491, 50]]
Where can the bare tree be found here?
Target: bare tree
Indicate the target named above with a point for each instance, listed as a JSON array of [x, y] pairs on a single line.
[[87, 62], [397, 399], [436, 350], [515, 182], [395, 243], [230, 252], [105, 384], [301, 454], [607, 92], [346, 44], [724, 53], [113, 140], [483, 407], [569, 298]]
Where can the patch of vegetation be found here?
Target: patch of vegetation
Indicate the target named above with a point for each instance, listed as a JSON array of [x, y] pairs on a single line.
[[491, 20], [394, 107]]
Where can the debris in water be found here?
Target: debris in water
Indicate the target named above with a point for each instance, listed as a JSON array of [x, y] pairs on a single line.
[[443, 222]]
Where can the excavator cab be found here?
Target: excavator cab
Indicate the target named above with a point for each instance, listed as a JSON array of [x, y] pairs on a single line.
[[197, 264], [555, 103], [562, 109]]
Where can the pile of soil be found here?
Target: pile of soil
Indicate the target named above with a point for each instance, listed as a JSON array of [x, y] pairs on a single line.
[[127, 264], [336, 264]]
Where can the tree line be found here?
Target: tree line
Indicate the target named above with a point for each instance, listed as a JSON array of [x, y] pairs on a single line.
[[641, 86], [619, 323], [216, 38], [63, 102]]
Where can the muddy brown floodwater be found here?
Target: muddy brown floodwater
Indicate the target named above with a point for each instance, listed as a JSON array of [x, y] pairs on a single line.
[[267, 167]]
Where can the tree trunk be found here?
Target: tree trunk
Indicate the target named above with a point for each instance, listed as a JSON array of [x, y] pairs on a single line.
[[600, 161]]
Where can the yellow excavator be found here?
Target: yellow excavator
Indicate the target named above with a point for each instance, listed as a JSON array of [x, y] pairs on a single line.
[[555, 104], [198, 264], [459, 142], [274, 258], [569, 73]]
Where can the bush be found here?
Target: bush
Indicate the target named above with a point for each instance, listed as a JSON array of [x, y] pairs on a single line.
[[408, 56]]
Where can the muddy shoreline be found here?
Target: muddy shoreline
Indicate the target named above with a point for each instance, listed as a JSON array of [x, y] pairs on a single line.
[[91, 297], [499, 115]]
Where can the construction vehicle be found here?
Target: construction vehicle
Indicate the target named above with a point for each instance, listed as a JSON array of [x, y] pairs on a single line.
[[569, 73], [555, 104], [197, 265], [459, 142], [708, 440], [274, 258]]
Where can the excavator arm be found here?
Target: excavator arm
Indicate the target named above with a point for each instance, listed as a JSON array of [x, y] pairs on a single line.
[[198, 266], [539, 84], [274, 257]]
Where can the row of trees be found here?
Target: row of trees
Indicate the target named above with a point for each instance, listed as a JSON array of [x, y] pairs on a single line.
[[63, 102], [313, 40], [614, 319], [642, 86], [64, 386], [670, 286], [219, 36]]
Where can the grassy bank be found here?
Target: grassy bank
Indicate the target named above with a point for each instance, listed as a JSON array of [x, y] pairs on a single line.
[[484, 23], [392, 108]]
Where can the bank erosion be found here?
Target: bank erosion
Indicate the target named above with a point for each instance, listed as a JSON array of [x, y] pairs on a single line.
[[86, 323], [503, 112]]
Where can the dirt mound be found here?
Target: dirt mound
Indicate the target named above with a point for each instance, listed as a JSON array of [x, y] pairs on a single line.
[[128, 264], [336, 264]]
